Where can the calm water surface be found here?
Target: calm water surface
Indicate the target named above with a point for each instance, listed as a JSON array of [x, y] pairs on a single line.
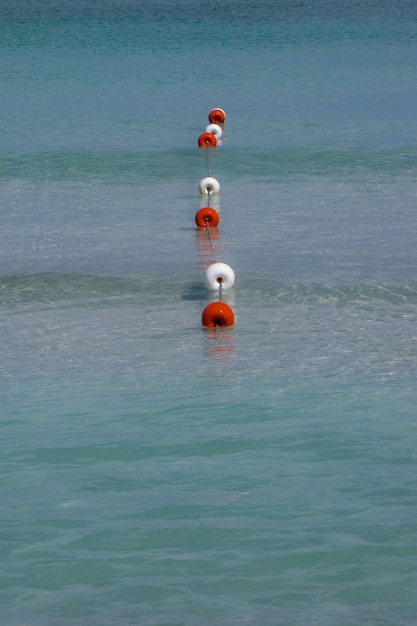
[[153, 472]]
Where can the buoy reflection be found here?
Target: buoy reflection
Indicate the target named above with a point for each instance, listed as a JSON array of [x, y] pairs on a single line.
[[219, 343], [207, 246]]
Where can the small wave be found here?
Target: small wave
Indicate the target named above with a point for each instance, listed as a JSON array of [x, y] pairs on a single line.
[[80, 290]]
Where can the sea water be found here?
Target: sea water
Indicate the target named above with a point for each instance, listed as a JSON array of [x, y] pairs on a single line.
[[155, 472]]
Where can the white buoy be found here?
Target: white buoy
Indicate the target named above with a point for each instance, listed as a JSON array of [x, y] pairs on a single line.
[[219, 275], [209, 185], [215, 129]]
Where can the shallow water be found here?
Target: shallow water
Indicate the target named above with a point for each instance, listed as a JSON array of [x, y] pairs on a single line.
[[156, 472]]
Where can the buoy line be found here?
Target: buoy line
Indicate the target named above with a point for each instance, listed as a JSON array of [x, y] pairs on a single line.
[[218, 276]]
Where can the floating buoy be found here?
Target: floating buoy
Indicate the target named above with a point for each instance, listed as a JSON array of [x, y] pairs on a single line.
[[209, 185], [206, 216], [217, 116], [219, 276], [207, 140], [217, 314], [215, 129]]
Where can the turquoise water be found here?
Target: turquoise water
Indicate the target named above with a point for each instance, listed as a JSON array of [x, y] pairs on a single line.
[[154, 472]]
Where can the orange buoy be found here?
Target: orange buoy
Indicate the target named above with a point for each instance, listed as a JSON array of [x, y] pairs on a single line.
[[206, 216], [217, 314], [217, 116], [207, 140]]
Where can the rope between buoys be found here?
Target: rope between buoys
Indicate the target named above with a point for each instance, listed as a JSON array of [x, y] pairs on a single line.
[[208, 161], [209, 236], [220, 289]]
